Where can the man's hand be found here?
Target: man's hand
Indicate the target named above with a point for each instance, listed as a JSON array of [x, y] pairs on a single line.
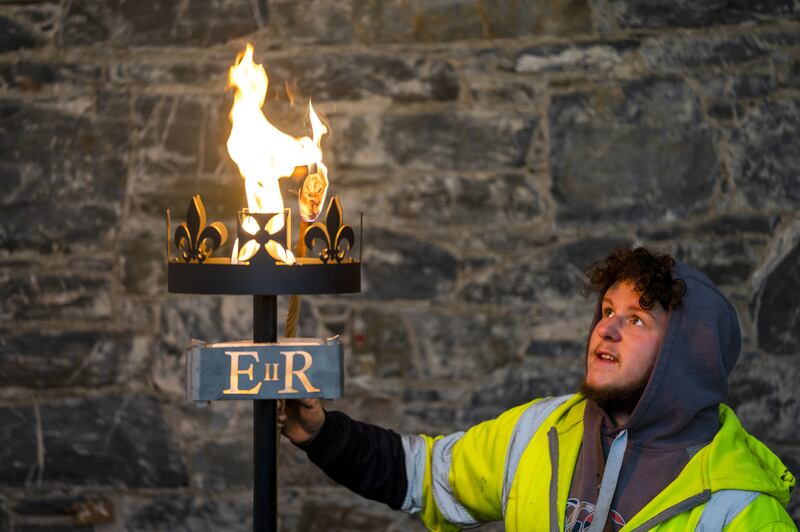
[[301, 419]]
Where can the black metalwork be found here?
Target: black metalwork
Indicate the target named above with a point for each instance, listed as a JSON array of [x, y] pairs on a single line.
[[262, 235], [265, 435], [333, 232], [195, 240], [264, 278]]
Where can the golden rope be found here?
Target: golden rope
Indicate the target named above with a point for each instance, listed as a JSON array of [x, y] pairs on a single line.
[[292, 316]]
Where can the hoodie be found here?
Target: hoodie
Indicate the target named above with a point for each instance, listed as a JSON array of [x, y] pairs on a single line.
[[667, 444], [676, 416]]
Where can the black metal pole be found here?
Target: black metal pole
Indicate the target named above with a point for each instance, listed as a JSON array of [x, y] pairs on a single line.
[[265, 455]]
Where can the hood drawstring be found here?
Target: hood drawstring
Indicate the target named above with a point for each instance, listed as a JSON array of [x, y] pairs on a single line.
[[609, 483]]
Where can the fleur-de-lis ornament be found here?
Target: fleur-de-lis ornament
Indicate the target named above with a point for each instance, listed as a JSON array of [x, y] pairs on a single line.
[[195, 240], [333, 232]]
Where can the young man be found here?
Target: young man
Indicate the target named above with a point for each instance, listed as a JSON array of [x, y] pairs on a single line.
[[645, 445]]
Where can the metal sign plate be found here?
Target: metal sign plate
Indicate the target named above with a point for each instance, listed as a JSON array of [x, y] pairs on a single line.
[[291, 369]]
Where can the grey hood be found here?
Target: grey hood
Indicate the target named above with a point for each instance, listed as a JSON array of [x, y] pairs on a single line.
[[677, 414], [690, 377]]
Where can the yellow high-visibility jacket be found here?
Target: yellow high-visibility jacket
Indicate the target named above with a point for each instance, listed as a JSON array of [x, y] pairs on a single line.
[[518, 468]]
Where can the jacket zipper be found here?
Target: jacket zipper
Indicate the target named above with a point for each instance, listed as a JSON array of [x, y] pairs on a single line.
[[552, 440], [683, 506]]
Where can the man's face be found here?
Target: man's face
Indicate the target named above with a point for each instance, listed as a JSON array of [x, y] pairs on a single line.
[[623, 347]]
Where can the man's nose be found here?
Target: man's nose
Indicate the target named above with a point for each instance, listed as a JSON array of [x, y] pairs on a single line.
[[609, 330]]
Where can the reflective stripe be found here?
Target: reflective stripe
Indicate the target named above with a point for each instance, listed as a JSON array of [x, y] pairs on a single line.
[[723, 508], [446, 501], [609, 483], [416, 454], [527, 425]]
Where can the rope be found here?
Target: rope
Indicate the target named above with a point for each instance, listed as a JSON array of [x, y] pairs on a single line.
[[294, 301]]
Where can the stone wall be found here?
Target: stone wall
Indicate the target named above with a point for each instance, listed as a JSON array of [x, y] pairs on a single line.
[[496, 150]]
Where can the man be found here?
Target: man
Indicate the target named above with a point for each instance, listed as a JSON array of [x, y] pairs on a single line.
[[646, 443]]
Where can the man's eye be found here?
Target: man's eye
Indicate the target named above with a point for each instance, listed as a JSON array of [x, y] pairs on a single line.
[[637, 321], [608, 312]]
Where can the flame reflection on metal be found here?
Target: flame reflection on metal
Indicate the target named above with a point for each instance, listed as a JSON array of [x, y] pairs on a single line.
[[333, 233], [195, 240]]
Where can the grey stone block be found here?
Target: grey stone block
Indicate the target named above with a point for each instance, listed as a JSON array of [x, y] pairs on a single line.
[[764, 162], [728, 249], [546, 279], [778, 307], [110, 440], [48, 357], [521, 284], [59, 527], [447, 140], [184, 134], [341, 76], [445, 21], [339, 518], [638, 14], [488, 92], [221, 464], [56, 510], [401, 266], [19, 464], [583, 57], [462, 344], [28, 296], [707, 50], [763, 397], [431, 140], [37, 75], [639, 151], [718, 226], [313, 22], [160, 22], [379, 344], [49, 158], [452, 199], [555, 348], [519, 383], [199, 71], [188, 513], [727, 88], [207, 318], [142, 255], [5, 517], [14, 36]]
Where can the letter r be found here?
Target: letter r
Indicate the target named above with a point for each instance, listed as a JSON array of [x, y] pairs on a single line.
[[290, 372]]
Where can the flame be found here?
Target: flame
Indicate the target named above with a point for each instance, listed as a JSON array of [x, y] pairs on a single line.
[[263, 153], [315, 187], [289, 93]]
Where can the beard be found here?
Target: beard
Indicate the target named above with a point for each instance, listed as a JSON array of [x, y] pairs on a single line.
[[617, 398]]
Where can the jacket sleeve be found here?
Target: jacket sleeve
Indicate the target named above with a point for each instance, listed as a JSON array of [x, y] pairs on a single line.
[[364, 458], [457, 481], [453, 481], [765, 513]]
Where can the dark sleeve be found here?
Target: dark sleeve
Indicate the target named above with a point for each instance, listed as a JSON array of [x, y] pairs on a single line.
[[367, 459]]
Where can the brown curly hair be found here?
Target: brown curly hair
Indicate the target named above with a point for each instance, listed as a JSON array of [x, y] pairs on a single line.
[[651, 275]]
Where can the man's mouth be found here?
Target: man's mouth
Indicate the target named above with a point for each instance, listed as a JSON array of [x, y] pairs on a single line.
[[605, 355]]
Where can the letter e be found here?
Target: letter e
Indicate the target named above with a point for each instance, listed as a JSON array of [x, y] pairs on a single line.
[[235, 372]]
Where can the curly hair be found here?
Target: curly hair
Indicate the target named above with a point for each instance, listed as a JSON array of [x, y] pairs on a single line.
[[650, 274]]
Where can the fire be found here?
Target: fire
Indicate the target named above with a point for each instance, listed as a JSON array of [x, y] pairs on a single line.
[[265, 154]]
